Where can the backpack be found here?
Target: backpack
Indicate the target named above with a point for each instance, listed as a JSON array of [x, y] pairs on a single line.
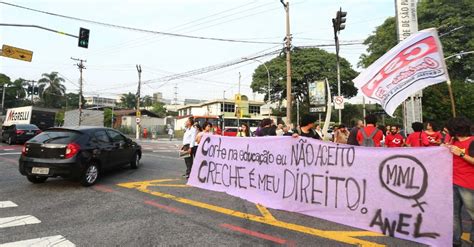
[[368, 141]]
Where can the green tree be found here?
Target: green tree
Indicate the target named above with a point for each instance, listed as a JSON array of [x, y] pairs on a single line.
[[444, 15], [108, 117], [146, 101], [308, 65], [128, 101], [51, 87], [159, 109]]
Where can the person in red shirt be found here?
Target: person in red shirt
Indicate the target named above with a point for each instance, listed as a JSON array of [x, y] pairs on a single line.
[[418, 138], [394, 139], [462, 148], [434, 136], [369, 129]]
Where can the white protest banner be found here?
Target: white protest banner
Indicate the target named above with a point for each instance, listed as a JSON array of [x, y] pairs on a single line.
[[415, 63], [400, 192]]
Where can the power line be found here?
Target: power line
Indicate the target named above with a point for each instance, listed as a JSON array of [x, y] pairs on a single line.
[[149, 39], [139, 29]]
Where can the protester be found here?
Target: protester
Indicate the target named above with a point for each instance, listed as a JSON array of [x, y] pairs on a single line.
[[279, 130], [334, 130], [388, 130], [286, 131], [394, 138], [307, 127], [170, 133], [244, 131], [418, 138], [267, 128], [462, 149], [319, 131], [383, 129], [434, 136], [206, 129], [341, 134], [370, 135], [352, 139], [189, 138], [446, 139]]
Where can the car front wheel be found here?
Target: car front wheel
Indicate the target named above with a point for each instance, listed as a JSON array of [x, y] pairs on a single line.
[[91, 175], [135, 161], [36, 179]]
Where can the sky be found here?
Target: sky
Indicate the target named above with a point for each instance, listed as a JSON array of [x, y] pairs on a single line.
[[113, 53]]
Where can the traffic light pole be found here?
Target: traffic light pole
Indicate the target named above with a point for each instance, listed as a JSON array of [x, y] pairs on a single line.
[[338, 24]]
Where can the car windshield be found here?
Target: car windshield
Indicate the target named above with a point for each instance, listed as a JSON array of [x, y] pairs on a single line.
[[26, 127], [56, 137]]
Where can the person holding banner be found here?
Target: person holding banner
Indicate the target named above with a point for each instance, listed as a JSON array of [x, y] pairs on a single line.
[[462, 148], [307, 127], [189, 138]]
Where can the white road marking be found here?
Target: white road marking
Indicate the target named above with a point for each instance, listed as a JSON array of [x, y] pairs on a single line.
[[18, 221], [57, 240], [10, 153], [8, 149], [7, 204]]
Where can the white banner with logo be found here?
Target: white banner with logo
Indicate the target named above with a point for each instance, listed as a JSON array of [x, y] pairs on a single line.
[[19, 115], [415, 63]]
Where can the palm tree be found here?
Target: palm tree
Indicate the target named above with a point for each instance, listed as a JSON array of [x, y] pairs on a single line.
[[50, 87]]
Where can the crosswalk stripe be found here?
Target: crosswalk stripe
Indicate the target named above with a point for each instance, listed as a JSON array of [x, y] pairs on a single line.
[[7, 204], [18, 221], [57, 241]]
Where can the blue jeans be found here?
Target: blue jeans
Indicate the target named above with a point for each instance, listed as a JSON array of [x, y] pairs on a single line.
[[462, 197]]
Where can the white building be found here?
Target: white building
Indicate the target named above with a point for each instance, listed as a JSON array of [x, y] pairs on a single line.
[[227, 110], [95, 101]]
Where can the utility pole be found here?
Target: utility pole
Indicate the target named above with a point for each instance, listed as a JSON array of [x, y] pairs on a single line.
[[138, 113], [338, 24], [3, 98], [239, 103], [80, 66], [288, 62]]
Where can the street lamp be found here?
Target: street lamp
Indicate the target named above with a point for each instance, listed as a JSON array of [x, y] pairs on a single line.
[[268, 77]]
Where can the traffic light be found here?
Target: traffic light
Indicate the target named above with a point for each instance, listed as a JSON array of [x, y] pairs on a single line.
[[339, 23], [83, 37], [30, 90], [36, 90]]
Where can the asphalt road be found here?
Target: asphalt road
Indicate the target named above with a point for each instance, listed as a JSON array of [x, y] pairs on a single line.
[[122, 210]]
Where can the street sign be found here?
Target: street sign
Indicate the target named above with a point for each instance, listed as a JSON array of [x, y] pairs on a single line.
[[317, 109], [138, 120], [338, 102], [16, 53]]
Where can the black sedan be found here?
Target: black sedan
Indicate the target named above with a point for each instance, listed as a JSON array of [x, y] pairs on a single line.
[[82, 153], [19, 133]]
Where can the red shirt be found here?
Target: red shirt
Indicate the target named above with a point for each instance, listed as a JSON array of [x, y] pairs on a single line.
[[368, 130], [463, 172], [393, 141], [434, 138], [418, 139]]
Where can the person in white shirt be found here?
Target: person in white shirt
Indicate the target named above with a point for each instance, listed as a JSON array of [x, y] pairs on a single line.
[[189, 139], [171, 133]]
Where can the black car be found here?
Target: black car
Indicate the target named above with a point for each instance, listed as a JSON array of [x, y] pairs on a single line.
[[19, 133], [82, 153]]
